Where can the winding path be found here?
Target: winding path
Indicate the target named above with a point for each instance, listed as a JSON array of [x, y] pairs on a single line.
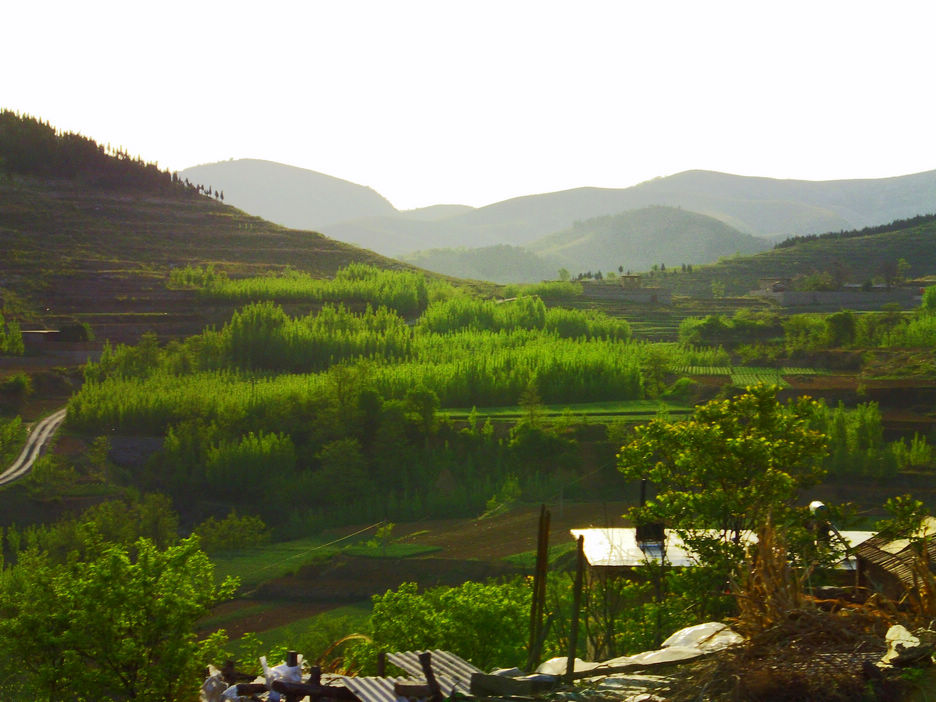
[[35, 442]]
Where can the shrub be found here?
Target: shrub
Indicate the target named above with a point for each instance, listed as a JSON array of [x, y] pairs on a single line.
[[232, 532]]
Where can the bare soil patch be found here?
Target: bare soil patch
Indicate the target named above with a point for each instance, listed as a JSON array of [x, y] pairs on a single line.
[[268, 616], [511, 533]]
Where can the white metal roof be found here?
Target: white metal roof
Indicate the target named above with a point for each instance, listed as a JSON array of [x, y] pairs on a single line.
[[618, 547]]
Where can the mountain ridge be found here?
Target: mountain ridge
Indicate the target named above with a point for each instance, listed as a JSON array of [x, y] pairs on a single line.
[[298, 198], [759, 205]]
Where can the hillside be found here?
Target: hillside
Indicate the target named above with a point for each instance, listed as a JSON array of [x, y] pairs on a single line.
[[639, 239], [859, 258], [77, 253], [634, 240], [434, 213], [293, 197]]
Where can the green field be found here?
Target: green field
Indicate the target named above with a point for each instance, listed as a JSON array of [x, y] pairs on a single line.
[[391, 550], [341, 620], [256, 565], [629, 408]]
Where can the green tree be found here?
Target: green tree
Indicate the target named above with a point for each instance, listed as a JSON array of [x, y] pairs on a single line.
[[117, 624], [423, 404], [728, 468], [343, 472], [11, 338], [903, 270], [233, 532], [840, 328], [485, 623], [929, 299]]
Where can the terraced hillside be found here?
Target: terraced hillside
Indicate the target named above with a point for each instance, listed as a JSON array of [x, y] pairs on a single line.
[[74, 253], [859, 258]]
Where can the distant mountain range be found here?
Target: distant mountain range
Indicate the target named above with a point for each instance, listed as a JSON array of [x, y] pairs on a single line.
[[758, 207]]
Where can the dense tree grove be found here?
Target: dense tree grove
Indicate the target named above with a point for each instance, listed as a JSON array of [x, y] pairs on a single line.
[[12, 434], [815, 331], [407, 293], [339, 409]]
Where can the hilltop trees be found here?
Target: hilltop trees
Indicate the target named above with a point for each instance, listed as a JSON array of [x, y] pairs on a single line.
[[32, 147]]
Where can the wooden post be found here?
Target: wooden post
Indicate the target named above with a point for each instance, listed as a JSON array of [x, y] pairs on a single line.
[[576, 605], [539, 590], [292, 660], [425, 660], [382, 664], [315, 676]]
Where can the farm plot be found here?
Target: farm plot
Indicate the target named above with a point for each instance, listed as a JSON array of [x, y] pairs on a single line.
[[742, 376]]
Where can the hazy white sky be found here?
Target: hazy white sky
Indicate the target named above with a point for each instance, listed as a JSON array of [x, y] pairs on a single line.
[[475, 102]]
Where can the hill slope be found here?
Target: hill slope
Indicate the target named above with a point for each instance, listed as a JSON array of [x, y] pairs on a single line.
[[500, 263], [858, 258], [293, 197], [639, 239], [634, 240], [103, 256]]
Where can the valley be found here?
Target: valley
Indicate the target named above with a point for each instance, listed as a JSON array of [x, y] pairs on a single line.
[[326, 423]]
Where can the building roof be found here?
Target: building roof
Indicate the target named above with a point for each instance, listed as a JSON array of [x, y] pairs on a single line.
[[897, 556], [619, 548], [454, 673]]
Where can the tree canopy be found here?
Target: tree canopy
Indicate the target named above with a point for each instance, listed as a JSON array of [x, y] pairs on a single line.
[[726, 470], [115, 623]]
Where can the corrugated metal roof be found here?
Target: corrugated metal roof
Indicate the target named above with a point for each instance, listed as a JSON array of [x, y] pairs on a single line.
[[896, 555], [373, 689], [447, 666], [618, 547]]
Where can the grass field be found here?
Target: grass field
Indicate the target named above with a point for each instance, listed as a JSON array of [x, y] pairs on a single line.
[[256, 565], [527, 559], [391, 550], [339, 620], [637, 409]]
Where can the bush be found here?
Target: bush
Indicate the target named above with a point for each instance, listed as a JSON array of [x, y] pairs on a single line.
[[11, 339], [232, 532], [484, 623], [15, 389]]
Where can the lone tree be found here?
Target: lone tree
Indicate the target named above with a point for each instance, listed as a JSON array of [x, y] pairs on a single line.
[[728, 469]]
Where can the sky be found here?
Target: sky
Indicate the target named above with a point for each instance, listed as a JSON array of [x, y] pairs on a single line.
[[476, 102]]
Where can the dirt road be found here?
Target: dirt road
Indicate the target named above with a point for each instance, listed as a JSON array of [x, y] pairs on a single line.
[[35, 442]]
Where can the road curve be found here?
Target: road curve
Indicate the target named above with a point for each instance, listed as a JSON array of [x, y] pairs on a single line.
[[35, 442]]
